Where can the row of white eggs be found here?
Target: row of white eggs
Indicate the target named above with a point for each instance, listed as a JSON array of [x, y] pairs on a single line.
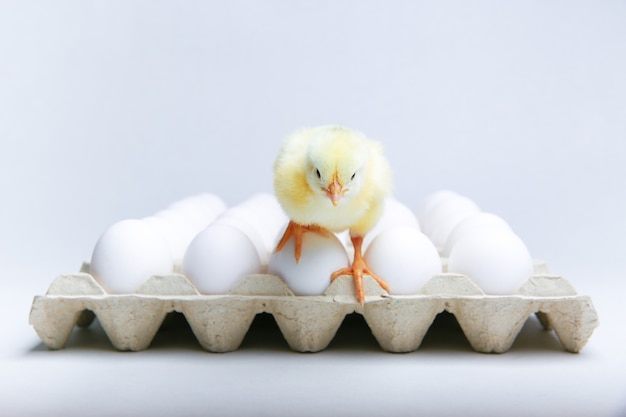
[[240, 241], [131, 250], [478, 244], [183, 220], [395, 250], [228, 244]]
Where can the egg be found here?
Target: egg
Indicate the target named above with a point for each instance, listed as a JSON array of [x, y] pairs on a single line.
[[428, 203], [218, 257], [446, 216], [127, 254], [199, 211], [321, 256], [263, 211], [260, 218], [184, 219], [404, 258], [176, 229], [167, 232], [394, 214], [477, 221], [191, 212], [344, 238], [209, 204], [239, 218], [495, 259]]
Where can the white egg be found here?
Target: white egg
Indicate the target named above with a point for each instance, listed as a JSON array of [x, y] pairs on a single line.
[[198, 211], [239, 218], [428, 203], [191, 212], [178, 231], [344, 238], [480, 221], [495, 259], [404, 258], [210, 204], [394, 214], [166, 231], [127, 254], [321, 256], [266, 215], [446, 216], [218, 257]]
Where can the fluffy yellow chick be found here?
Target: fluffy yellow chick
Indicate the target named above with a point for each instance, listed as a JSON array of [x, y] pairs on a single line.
[[332, 178]]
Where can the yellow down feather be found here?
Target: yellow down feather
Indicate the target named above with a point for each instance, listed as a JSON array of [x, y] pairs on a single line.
[[311, 158]]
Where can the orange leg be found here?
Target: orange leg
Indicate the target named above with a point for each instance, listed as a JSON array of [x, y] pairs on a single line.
[[296, 231], [358, 269]]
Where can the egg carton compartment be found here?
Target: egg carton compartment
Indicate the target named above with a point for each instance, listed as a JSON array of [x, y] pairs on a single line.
[[308, 323]]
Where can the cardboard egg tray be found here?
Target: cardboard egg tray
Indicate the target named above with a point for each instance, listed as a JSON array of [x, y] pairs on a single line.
[[309, 323]]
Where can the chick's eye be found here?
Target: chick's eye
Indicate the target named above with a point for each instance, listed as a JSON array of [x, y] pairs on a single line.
[[317, 171], [353, 176]]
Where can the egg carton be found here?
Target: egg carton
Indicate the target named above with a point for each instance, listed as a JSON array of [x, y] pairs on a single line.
[[308, 323]]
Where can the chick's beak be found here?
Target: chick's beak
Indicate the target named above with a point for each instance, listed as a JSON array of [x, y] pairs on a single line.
[[334, 191]]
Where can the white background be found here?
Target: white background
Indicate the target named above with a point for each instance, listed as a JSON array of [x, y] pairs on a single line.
[[111, 110]]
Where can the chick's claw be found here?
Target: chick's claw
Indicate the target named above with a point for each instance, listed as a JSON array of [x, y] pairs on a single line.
[[296, 231], [359, 269]]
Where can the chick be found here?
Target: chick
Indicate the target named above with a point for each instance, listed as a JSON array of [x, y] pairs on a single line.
[[329, 179]]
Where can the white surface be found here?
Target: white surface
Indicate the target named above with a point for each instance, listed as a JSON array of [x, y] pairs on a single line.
[[110, 110]]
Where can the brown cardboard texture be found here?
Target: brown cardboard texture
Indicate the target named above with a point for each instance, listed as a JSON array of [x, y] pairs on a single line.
[[309, 323]]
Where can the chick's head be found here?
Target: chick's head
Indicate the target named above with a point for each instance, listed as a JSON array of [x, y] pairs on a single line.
[[336, 164]]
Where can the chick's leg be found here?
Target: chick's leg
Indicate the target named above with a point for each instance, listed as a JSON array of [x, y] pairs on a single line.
[[296, 231], [358, 269]]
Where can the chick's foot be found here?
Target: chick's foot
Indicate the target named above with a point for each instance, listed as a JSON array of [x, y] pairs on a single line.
[[296, 231], [358, 269]]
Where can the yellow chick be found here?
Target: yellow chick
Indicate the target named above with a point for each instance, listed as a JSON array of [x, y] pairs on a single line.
[[332, 178]]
